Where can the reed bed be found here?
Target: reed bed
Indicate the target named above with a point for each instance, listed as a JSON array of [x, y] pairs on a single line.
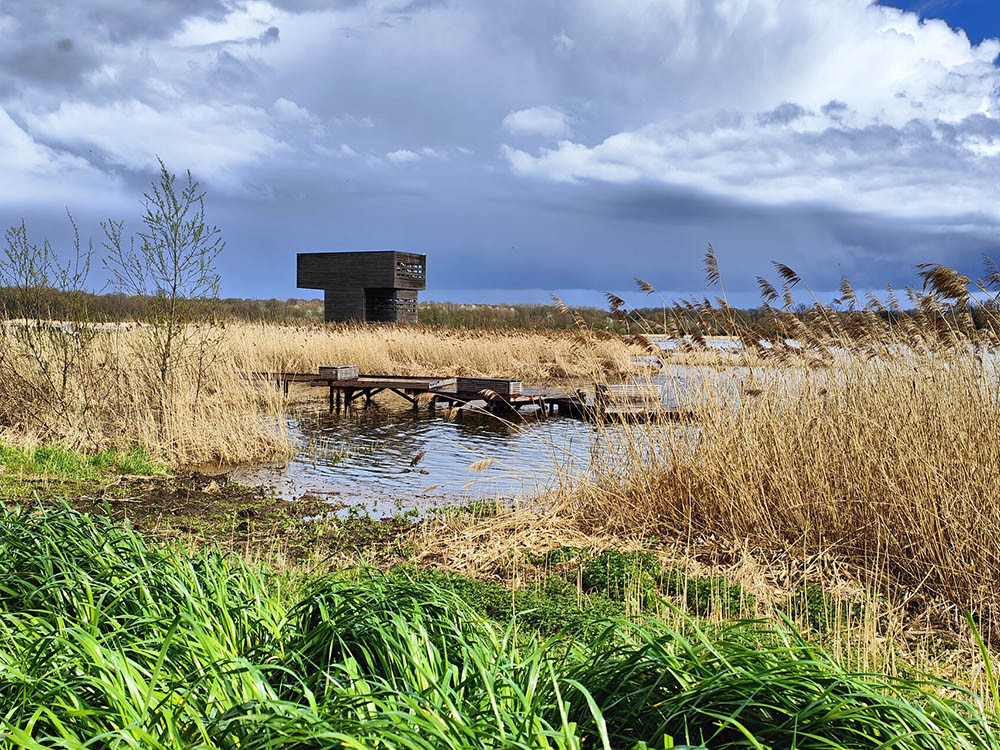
[[107, 395], [868, 441], [106, 641], [94, 388], [535, 357]]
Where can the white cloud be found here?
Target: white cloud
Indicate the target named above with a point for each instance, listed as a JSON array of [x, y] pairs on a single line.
[[248, 20], [214, 140], [544, 120], [36, 172], [855, 106], [345, 119], [401, 156], [289, 110], [562, 41], [861, 169]]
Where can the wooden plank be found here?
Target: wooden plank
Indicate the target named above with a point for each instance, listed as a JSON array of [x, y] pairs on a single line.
[[630, 390], [291, 377], [500, 386], [387, 381], [339, 372]]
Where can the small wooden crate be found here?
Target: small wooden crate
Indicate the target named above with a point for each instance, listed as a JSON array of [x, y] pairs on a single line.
[[339, 372], [499, 386]]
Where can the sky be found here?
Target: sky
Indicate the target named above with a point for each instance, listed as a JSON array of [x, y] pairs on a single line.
[[979, 19], [527, 147]]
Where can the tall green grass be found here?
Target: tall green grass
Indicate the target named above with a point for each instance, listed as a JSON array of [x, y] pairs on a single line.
[[107, 641]]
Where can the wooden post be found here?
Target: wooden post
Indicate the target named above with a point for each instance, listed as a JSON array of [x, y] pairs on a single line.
[[332, 389]]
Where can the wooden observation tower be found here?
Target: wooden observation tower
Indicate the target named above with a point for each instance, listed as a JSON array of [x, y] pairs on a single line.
[[372, 287]]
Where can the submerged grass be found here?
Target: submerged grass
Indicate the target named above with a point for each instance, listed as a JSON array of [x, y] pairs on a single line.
[[107, 641]]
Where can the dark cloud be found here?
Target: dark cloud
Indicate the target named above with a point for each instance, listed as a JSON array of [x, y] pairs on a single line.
[[231, 72], [833, 108], [48, 44], [357, 124], [46, 62], [782, 115]]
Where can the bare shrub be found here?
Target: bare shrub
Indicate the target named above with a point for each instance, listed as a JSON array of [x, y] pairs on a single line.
[[170, 265], [44, 353]]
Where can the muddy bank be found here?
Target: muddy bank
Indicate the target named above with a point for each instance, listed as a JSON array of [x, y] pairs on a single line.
[[200, 509]]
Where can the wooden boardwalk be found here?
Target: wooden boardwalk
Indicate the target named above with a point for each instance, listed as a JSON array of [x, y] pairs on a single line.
[[498, 396]]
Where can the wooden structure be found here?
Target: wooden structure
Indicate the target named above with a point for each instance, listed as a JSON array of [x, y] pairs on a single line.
[[373, 287], [498, 396], [500, 386], [628, 399], [339, 372]]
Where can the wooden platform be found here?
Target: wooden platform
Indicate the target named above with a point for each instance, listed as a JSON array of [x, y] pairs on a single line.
[[610, 401]]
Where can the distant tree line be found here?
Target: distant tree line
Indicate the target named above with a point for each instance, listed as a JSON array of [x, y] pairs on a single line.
[[114, 308], [49, 303]]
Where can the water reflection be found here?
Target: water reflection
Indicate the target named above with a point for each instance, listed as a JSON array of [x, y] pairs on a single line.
[[393, 455]]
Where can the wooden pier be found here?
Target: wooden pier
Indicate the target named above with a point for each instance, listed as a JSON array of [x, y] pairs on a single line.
[[498, 396]]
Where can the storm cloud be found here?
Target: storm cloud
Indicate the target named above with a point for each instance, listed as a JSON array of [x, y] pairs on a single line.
[[524, 146]]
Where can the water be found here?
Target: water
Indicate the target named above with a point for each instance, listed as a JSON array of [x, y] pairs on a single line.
[[392, 456]]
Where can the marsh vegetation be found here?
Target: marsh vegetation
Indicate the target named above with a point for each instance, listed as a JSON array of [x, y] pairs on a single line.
[[107, 641], [781, 571]]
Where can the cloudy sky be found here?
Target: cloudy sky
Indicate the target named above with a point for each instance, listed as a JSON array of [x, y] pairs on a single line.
[[526, 146]]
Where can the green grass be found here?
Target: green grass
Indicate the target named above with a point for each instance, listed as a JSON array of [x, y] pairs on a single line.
[[55, 461], [547, 608], [107, 641], [638, 579]]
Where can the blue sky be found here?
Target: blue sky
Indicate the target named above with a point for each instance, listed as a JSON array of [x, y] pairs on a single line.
[[980, 19], [527, 146]]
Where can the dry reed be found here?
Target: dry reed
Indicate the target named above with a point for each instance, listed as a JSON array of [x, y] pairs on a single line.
[[535, 357], [870, 440], [104, 392]]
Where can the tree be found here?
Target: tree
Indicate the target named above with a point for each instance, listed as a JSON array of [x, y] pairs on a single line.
[[171, 265]]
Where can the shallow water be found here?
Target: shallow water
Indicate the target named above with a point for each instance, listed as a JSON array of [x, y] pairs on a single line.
[[392, 456]]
